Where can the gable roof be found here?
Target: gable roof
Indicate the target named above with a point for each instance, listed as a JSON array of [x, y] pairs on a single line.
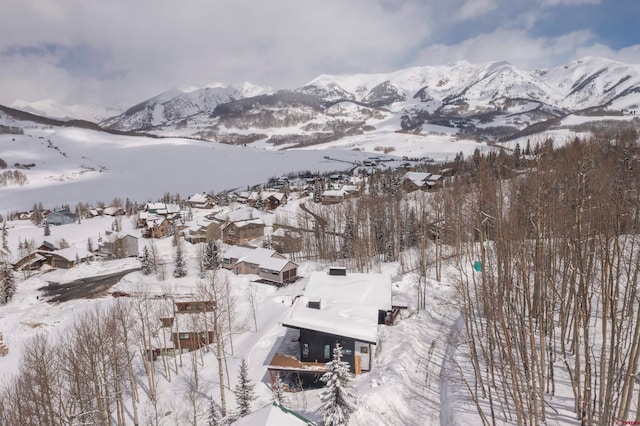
[[273, 414], [264, 258], [71, 253]]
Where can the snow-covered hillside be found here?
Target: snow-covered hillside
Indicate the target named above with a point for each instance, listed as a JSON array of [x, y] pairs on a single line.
[[53, 109], [179, 103]]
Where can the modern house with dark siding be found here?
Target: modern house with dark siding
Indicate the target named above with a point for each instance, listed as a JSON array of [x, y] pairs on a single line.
[[340, 307]]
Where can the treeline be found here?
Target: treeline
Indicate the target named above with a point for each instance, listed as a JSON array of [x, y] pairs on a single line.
[[12, 177], [11, 130], [554, 232], [556, 299]]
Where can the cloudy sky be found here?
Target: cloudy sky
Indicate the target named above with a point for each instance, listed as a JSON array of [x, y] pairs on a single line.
[[125, 51]]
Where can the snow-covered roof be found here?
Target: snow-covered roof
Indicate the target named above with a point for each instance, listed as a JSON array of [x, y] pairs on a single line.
[[241, 213], [71, 253], [262, 257], [199, 198], [349, 304], [273, 414], [417, 178], [334, 193]]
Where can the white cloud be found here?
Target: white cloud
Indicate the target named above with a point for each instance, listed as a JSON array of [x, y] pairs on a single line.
[[514, 46], [552, 3], [151, 46], [472, 9], [77, 51]]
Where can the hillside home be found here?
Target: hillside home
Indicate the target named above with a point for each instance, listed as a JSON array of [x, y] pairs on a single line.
[[154, 226], [204, 232], [286, 240], [337, 307], [270, 200], [118, 245], [241, 231], [113, 211], [413, 181], [68, 257], [60, 217], [201, 201], [47, 246], [339, 193], [189, 328], [267, 264]]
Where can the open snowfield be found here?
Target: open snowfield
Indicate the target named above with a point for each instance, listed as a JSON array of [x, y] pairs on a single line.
[[77, 165]]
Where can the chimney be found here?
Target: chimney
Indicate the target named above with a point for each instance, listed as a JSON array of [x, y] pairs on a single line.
[[338, 270], [314, 304]]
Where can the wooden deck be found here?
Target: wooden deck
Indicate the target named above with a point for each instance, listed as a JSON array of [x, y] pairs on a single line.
[[291, 363]]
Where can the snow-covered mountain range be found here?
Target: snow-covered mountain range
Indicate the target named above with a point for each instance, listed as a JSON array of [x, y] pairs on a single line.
[[482, 102], [485, 102]]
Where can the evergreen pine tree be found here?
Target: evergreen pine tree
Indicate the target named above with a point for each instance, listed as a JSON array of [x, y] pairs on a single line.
[[7, 284], [214, 418], [47, 230], [180, 267], [278, 389], [244, 390], [147, 267], [338, 402], [5, 233]]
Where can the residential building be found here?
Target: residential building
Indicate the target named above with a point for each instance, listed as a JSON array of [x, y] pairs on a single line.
[[267, 264], [337, 307]]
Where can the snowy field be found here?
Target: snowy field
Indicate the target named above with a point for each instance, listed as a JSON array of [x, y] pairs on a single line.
[[76, 165]]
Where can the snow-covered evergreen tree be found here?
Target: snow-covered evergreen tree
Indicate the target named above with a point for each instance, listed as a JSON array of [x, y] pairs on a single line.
[[338, 400], [7, 283], [47, 230], [5, 233], [278, 389], [214, 417], [245, 394], [147, 267], [180, 266]]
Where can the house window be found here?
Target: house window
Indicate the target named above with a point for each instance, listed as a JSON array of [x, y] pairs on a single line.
[[183, 336], [364, 349], [305, 350], [327, 351]]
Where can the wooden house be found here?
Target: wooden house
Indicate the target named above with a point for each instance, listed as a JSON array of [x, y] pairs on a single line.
[[241, 231], [413, 181], [286, 240], [189, 329], [267, 264], [204, 232], [31, 262], [270, 200], [47, 246], [118, 245], [201, 201], [343, 308], [68, 257], [155, 226]]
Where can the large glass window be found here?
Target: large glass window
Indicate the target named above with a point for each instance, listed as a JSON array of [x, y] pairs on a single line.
[[327, 351], [305, 350]]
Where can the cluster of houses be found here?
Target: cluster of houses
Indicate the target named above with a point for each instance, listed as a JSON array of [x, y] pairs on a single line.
[[111, 245]]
